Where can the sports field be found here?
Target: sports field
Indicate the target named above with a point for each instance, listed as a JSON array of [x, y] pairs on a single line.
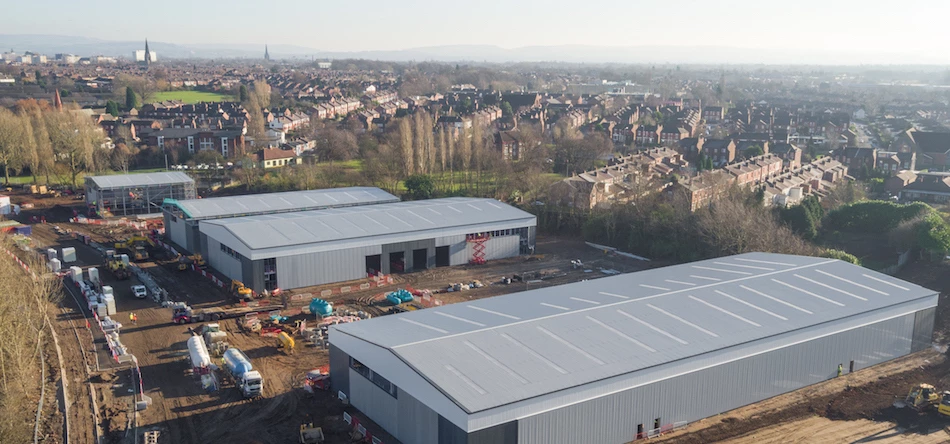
[[191, 96]]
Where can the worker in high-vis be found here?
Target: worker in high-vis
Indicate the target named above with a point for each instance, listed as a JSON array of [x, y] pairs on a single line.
[[840, 369], [133, 318]]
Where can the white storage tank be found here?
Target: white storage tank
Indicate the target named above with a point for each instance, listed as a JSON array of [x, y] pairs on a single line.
[[5, 207], [55, 265], [69, 255], [93, 275], [75, 273], [107, 290], [51, 254]]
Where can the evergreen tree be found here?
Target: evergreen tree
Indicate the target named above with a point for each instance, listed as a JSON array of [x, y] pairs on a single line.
[[112, 108], [242, 94], [131, 101]]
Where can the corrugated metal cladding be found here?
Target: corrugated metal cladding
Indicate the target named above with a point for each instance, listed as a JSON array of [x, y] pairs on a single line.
[[339, 370], [175, 229], [693, 396], [221, 261], [304, 270], [923, 329], [500, 434], [404, 417]]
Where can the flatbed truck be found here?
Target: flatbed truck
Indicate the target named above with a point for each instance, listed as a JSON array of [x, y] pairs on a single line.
[[184, 314]]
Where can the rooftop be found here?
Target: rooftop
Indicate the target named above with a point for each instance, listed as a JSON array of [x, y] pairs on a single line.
[[510, 349], [139, 180], [322, 230], [251, 204]]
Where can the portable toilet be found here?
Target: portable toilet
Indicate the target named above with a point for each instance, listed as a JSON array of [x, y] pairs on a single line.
[[75, 273], [55, 265], [69, 255], [93, 275], [51, 254], [107, 290]]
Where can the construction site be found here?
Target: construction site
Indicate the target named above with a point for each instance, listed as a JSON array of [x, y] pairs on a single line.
[[174, 391]]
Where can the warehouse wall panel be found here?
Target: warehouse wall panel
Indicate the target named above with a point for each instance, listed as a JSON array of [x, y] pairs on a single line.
[[923, 329], [224, 263], [382, 408], [713, 390], [305, 270], [417, 423], [175, 228], [339, 370]]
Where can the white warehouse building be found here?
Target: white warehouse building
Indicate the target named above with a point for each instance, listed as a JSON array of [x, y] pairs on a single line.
[[620, 358], [182, 217], [305, 248]]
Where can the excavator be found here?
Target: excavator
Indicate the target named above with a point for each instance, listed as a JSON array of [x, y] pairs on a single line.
[[198, 261], [240, 291], [944, 407], [922, 397], [117, 267], [183, 262]]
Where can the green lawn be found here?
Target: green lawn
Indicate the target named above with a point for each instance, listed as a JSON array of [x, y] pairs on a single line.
[[26, 180], [191, 96]]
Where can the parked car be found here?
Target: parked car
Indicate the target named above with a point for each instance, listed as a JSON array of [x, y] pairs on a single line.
[[139, 291]]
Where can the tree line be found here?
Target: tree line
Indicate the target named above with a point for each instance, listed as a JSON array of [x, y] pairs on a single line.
[[48, 142]]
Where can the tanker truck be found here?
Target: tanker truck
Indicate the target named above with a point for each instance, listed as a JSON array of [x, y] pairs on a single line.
[[201, 363], [248, 380]]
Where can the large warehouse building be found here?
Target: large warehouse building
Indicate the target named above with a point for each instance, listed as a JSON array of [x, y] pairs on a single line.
[[301, 249], [606, 360], [130, 194], [182, 217]]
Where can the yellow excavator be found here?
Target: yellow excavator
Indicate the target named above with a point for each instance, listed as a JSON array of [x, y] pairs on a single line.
[[240, 291], [198, 261], [135, 245], [922, 397]]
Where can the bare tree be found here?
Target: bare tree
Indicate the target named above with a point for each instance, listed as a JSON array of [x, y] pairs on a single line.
[[13, 143]]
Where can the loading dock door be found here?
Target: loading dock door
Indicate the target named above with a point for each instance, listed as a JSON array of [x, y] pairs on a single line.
[[442, 256], [374, 264], [420, 259], [397, 262]]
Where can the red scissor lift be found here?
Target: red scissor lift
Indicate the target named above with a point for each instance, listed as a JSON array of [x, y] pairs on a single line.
[[478, 246]]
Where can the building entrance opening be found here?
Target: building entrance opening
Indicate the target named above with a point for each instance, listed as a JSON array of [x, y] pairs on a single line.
[[442, 256], [397, 262], [420, 259], [374, 264]]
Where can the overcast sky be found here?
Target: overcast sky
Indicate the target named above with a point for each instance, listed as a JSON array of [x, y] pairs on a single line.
[[916, 26]]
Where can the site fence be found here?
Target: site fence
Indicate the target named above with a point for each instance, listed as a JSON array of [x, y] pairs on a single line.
[[138, 225]]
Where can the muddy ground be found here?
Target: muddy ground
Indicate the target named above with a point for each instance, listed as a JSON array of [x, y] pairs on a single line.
[[854, 408]]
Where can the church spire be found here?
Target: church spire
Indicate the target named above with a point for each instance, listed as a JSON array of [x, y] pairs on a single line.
[[148, 55], [266, 53]]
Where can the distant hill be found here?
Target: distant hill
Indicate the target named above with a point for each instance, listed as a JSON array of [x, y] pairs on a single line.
[[51, 44]]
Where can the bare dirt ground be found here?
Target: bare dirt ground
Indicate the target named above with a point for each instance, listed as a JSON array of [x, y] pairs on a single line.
[[181, 411], [853, 408], [858, 431]]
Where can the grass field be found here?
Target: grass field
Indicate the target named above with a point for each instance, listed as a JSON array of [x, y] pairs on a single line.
[[191, 96], [26, 180]]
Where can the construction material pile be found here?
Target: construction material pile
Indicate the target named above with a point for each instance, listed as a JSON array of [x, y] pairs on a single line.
[[399, 296]]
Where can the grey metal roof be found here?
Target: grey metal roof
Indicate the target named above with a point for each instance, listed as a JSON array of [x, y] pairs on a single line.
[[139, 180], [500, 351], [291, 201], [320, 230]]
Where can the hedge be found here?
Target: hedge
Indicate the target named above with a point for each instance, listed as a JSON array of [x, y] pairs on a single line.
[[873, 216]]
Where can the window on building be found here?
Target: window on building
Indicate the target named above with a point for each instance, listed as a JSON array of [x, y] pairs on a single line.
[[224, 146], [227, 250], [206, 144], [270, 274], [374, 377], [191, 144]]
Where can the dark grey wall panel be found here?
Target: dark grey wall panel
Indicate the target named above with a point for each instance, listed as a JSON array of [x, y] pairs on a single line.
[[339, 370], [450, 433]]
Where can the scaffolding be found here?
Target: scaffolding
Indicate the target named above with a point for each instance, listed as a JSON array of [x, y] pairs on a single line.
[[135, 195]]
